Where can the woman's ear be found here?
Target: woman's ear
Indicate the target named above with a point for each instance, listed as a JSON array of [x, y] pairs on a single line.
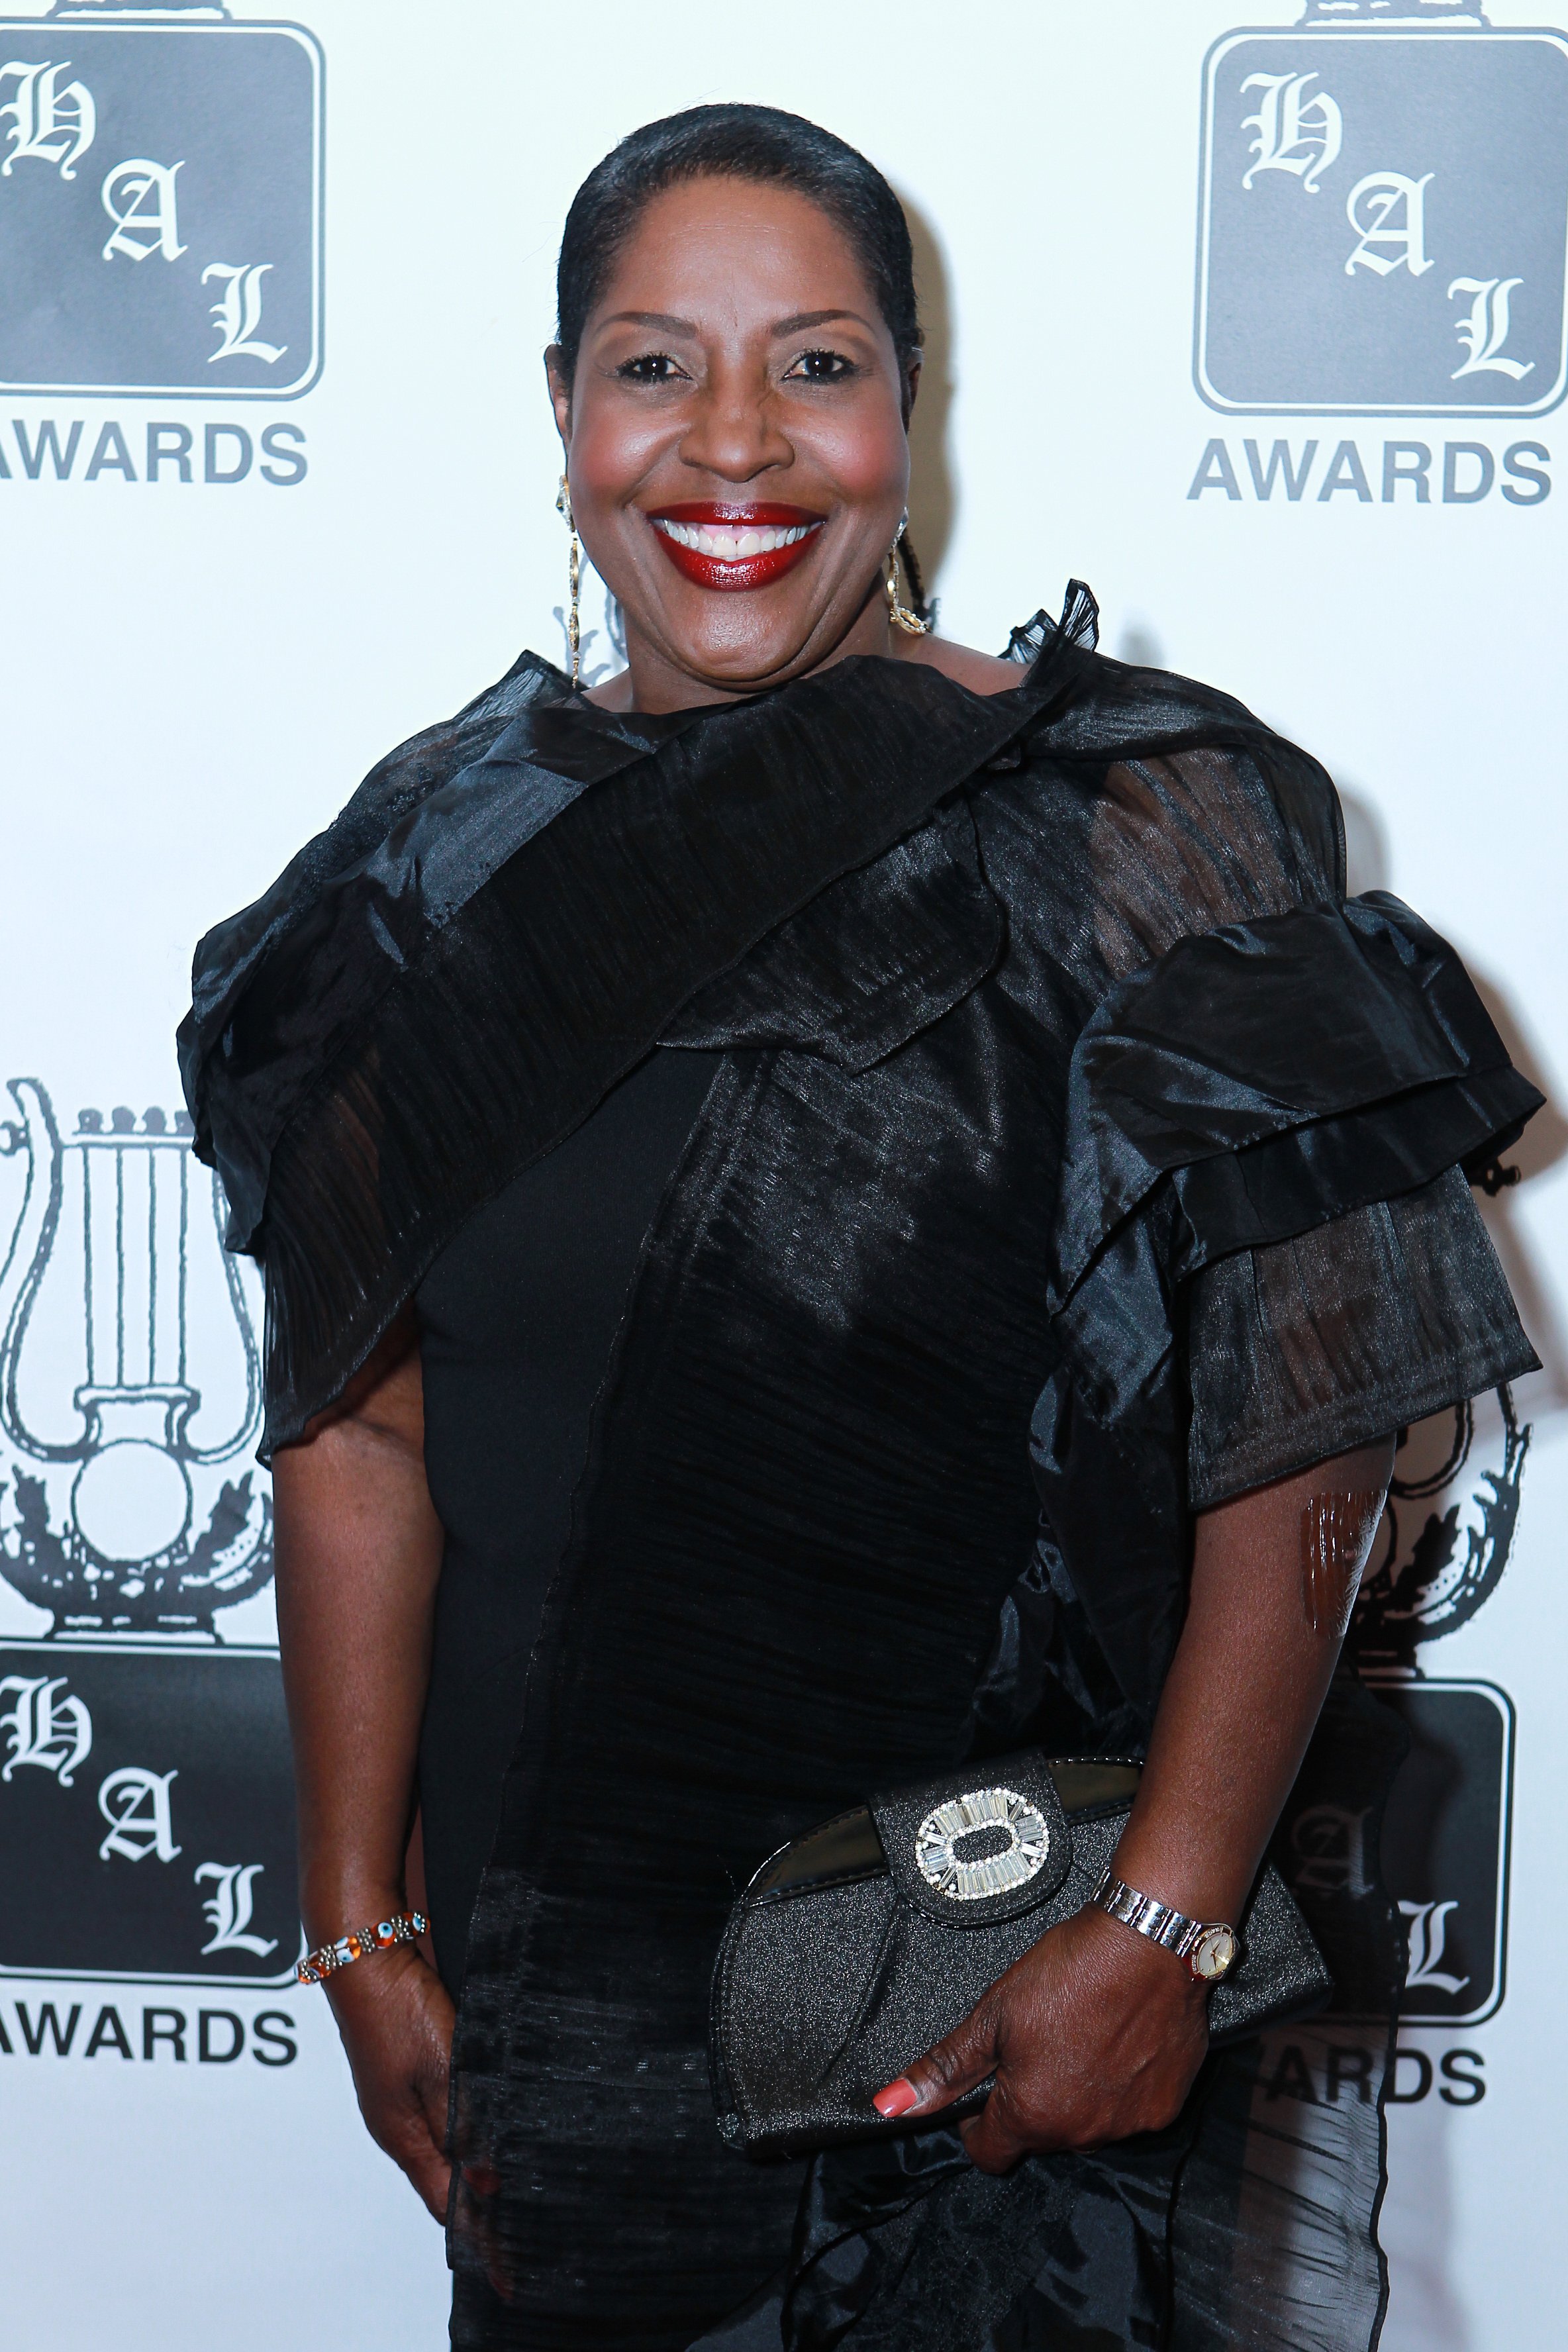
[[911, 386], [560, 391]]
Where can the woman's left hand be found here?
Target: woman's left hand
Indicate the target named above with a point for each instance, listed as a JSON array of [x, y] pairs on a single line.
[[1095, 2034]]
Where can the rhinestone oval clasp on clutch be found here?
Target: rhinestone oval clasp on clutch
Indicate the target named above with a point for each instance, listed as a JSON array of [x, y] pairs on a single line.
[[975, 1821]]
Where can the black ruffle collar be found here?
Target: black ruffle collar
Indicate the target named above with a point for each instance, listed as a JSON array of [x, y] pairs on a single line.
[[856, 757]]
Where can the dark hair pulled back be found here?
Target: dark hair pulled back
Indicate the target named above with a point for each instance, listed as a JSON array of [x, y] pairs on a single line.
[[761, 144]]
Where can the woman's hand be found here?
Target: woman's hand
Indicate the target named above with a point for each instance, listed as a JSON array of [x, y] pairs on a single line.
[[359, 1559], [1097, 2034], [395, 2018], [1094, 2034]]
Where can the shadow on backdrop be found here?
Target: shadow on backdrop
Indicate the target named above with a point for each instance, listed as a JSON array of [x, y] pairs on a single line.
[[932, 498], [1141, 646], [1543, 1142]]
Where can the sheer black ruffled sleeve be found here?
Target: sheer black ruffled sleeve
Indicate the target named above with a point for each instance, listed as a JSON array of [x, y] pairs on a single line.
[[1265, 1124], [1308, 1346], [1275, 1074]]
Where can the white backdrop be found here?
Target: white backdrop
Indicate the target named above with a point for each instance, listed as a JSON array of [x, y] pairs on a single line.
[[194, 674]]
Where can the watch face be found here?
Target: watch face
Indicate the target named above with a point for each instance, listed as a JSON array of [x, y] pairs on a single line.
[[1214, 1954]]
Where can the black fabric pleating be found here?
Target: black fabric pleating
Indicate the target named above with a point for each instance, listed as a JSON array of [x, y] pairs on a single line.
[[376, 1055], [1076, 1154]]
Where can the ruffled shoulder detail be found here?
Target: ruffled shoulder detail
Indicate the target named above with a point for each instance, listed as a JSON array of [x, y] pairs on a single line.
[[1280, 1072], [437, 1000], [230, 955], [1249, 1086]]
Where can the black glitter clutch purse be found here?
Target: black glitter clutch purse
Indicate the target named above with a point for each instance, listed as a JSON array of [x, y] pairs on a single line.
[[857, 1946]]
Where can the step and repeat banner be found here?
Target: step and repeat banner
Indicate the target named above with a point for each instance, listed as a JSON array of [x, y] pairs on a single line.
[[1260, 329]]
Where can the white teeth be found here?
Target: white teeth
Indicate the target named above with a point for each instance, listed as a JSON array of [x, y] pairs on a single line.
[[730, 546]]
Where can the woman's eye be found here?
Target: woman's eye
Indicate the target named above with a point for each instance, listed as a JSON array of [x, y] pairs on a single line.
[[650, 367], [821, 367]]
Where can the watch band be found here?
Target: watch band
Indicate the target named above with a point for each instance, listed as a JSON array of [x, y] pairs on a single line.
[[1208, 1946]]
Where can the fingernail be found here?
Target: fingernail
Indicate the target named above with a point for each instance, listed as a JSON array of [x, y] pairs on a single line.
[[897, 2098]]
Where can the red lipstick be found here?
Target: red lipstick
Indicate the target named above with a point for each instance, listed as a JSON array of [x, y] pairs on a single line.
[[747, 545]]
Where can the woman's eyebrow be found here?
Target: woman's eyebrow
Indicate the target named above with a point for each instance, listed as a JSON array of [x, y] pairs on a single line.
[[803, 319], [664, 323], [660, 319]]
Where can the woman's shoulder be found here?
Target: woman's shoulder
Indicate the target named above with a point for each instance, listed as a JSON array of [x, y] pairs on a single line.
[[230, 956], [393, 787], [1144, 807], [981, 673]]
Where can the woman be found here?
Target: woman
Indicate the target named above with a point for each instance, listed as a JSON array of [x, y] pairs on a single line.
[[832, 1205]]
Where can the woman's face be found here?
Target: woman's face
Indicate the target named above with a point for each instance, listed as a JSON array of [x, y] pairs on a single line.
[[735, 443]]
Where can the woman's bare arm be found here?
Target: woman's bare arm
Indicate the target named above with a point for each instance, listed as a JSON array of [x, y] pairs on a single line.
[[359, 1555], [1097, 2034], [1247, 1684]]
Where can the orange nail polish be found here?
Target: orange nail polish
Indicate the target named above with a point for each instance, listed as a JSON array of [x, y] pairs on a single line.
[[897, 2098]]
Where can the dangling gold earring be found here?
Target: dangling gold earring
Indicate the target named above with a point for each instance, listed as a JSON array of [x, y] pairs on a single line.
[[899, 613], [573, 568]]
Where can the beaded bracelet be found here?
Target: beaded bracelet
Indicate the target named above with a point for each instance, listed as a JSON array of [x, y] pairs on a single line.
[[381, 1937]]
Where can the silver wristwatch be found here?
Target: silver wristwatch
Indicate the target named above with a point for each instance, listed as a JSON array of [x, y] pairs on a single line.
[[1208, 1946]]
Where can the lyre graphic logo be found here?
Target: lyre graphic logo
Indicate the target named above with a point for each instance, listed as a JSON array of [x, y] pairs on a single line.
[[1448, 1528], [147, 1515], [229, 1909], [1427, 1929], [45, 1727], [1295, 133], [204, 136], [49, 124], [1350, 190]]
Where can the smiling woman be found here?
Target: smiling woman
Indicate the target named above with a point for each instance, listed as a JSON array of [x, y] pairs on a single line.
[[749, 349], [840, 1214]]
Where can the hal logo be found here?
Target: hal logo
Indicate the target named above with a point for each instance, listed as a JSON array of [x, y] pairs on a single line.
[[1415, 1793], [146, 1814], [1444, 1847], [1453, 1510], [160, 203], [146, 1811], [1442, 1844], [1383, 214]]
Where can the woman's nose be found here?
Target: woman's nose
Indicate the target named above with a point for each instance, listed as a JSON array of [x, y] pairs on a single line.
[[734, 432]]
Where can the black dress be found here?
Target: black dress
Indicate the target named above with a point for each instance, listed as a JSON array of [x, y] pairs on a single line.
[[516, 1320], [1072, 1155]]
